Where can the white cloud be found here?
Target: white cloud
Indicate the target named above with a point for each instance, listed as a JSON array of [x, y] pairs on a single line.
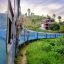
[[40, 9], [44, 7], [54, 6], [3, 8]]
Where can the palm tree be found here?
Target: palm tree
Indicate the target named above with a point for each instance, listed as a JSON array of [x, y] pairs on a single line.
[[29, 11], [59, 18], [54, 15]]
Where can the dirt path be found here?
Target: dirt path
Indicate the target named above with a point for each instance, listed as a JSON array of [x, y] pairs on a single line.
[[21, 58], [22, 55], [24, 59]]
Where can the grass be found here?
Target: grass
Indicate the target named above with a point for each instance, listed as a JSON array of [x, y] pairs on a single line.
[[46, 51], [20, 55]]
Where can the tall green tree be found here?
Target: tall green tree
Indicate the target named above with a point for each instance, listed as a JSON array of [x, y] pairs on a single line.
[[54, 15], [59, 18]]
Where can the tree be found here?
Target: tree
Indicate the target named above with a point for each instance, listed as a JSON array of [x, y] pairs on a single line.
[[54, 27], [48, 17], [28, 12], [61, 29], [59, 18], [54, 15]]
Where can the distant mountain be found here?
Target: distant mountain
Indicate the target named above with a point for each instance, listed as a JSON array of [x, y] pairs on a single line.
[[3, 20]]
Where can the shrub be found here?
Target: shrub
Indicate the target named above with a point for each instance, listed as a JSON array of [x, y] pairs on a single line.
[[47, 47], [61, 28], [54, 27]]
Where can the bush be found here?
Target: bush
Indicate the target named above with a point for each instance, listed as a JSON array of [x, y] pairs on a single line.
[[60, 50], [47, 47], [61, 28], [54, 27]]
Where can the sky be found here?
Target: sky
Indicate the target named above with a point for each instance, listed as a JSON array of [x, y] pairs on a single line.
[[39, 7]]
